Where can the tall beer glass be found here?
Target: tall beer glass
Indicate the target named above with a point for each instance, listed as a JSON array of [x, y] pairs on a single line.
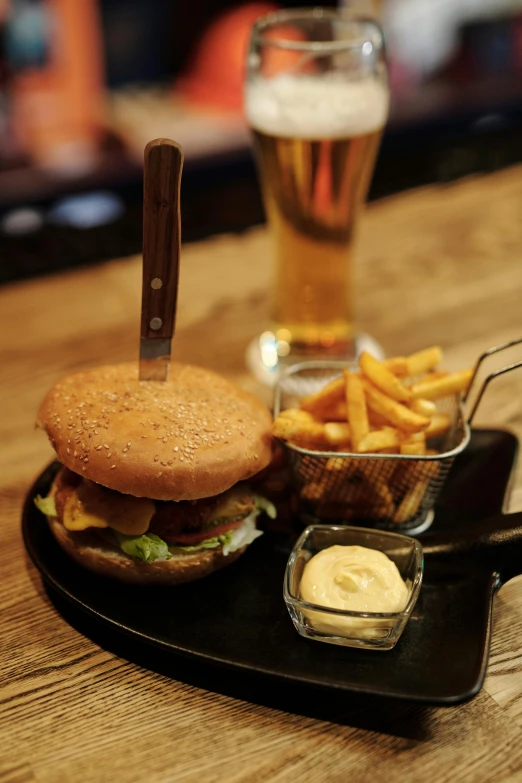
[[316, 99]]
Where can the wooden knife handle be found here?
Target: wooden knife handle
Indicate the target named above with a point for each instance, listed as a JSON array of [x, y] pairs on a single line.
[[163, 164]]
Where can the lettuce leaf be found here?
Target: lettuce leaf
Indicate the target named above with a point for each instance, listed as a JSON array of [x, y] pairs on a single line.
[[242, 535], [262, 504], [148, 547], [46, 505], [208, 543], [232, 539]]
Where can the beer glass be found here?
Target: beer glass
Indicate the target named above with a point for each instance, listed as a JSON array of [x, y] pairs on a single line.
[[316, 99]]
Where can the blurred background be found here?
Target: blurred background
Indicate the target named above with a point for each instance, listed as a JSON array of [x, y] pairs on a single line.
[[84, 84]]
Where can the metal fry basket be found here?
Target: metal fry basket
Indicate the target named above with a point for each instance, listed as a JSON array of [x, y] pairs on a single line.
[[389, 491]]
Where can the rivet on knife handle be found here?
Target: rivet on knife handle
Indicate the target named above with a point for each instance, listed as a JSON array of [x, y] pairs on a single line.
[[163, 163]]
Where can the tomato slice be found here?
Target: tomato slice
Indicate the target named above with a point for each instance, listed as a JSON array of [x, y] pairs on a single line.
[[202, 535]]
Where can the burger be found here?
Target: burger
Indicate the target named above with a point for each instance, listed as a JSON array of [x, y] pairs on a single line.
[[153, 486]]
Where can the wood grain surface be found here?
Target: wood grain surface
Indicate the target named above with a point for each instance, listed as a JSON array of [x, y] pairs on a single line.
[[438, 265]]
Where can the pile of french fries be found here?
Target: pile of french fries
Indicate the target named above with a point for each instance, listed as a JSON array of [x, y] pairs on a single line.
[[386, 407]]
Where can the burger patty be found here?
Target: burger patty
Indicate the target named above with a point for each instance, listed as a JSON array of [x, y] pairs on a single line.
[[175, 518], [190, 516]]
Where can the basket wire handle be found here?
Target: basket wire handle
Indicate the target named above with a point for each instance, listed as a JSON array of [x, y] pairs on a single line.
[[491, 376]]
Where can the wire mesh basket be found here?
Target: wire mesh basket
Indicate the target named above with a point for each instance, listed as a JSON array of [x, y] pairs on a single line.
[[392, 491], [389, 491]]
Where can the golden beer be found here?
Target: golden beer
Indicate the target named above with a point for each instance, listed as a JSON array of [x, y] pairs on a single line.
[[316, 144], [313, 190]]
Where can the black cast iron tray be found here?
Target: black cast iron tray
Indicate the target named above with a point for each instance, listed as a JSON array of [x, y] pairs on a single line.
[[236, 621]]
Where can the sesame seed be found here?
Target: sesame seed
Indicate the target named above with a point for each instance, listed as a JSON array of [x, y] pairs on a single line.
[[68, 451], [105, 445], [112, 467], [125, 449], [128, 444], [176, 448], [159, 474]]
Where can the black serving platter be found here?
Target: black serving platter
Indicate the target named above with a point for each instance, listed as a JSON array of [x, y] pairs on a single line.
[[237, 618]]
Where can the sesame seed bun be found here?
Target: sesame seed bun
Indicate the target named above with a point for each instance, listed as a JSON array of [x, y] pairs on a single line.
[[191, 437]]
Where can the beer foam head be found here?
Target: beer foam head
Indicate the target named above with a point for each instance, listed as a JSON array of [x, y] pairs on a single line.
[[312, 107]]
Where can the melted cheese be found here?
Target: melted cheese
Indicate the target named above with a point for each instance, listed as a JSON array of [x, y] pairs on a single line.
[[91, 505]]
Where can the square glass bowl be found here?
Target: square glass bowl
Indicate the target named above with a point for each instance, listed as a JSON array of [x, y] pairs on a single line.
[[367, 630]]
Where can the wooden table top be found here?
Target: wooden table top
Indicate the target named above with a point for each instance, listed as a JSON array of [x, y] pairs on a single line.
[[441, 265]]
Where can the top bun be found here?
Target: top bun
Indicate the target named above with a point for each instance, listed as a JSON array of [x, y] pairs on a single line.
[[187, 438]]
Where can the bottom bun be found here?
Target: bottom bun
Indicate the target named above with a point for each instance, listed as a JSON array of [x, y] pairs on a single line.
[[91, 552]]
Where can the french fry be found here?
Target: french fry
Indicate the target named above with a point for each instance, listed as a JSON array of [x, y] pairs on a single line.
[[423, 407], [382, 378], [336, 464], [377, 422], [414, 444], [378, 440], [384, 468], [411, 502], [377, 511], [330, 394], [378, 494], [344, 468], [296, 414], [367, 493], [302, 433], [441, 387], [408, 472], [313, 491], [356, 408], [398, 365], [334, 412], [416, 448], [438, 425], [422, 361], [435, 375], [337, 433], [396, 413], [415, 437]]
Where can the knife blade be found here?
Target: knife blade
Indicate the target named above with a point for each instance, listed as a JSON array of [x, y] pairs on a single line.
[[163, 164]]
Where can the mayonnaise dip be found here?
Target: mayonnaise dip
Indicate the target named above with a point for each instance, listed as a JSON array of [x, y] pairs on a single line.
[[355, 579]]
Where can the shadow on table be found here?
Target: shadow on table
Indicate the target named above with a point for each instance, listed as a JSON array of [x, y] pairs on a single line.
[[389, 716]]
